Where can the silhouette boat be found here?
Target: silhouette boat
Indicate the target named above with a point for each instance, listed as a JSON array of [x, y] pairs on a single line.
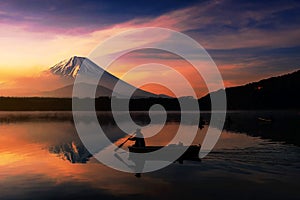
[[264, 119], [191, 152]]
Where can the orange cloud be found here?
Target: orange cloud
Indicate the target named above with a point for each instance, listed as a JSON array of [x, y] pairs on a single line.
[[153, 73], [33, 85]]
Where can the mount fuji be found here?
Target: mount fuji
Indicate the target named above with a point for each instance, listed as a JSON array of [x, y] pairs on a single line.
[[69, 69]]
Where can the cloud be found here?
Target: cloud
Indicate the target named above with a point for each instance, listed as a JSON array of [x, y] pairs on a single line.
[[83, 16], [247, 40], [228, 25], [33, 85]]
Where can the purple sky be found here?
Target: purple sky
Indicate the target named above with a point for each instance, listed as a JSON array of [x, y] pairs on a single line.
[[248, 40]]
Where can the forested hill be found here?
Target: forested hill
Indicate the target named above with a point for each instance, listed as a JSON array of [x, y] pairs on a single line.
[[281, 92]]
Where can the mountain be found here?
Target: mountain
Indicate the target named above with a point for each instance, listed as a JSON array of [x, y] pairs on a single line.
[[75, 152], [281, 92], [70, 68], [67, 91]]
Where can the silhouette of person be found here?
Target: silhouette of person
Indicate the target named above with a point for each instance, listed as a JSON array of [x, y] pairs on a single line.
[[139, 139], [139, 161]]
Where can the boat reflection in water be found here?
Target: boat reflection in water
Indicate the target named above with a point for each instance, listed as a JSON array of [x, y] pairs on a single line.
[[42, 157], [75, 152], [138, 154]]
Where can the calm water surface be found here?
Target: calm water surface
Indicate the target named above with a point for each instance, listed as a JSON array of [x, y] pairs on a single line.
[[42, 158]]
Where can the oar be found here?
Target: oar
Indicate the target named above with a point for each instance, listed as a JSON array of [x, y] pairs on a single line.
[[124, 142]]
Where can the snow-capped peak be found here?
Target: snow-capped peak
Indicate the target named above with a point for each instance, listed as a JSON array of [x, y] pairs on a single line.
[[70, 67]]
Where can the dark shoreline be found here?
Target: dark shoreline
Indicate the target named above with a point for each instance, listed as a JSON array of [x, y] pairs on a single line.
[[142, 104]]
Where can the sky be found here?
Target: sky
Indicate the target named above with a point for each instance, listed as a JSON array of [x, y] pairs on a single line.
[[248, 40]]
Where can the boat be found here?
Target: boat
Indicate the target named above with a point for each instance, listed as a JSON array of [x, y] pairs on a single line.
[[264, 119], [190, 153]]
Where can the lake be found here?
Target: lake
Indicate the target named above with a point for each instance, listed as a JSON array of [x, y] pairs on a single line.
[[256, 157]]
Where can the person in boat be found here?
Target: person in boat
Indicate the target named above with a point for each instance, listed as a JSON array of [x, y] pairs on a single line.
[[139, 139], [139, 142]]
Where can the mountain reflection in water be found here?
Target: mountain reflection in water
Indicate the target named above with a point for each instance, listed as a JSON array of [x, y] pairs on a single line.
[[42, 155]]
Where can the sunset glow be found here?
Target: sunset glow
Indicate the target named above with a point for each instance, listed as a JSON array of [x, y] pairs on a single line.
[[245, 50]]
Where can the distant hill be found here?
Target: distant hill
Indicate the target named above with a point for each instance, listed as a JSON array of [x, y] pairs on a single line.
[[281, 92], [67, 91]]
